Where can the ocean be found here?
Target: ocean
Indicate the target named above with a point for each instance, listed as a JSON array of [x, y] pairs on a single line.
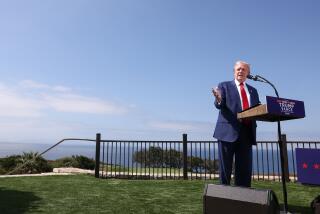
[[63, 150]]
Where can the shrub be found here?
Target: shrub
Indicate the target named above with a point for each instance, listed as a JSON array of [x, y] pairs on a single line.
[[7, 164], [84, 162], [63, 162], [31, 162], [28, 162], [78, 161]]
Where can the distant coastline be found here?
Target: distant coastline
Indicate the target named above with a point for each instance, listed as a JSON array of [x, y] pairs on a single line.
[[63, 150]]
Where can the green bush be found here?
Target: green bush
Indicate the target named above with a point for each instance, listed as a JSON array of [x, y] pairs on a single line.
[[63, 162], [27, 163], [2, 171], [31, 162], [84, 162], [77, 161], [8, 163]]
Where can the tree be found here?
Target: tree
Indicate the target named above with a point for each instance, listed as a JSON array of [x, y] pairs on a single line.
[[211, 166], [195, 164], [158, 157]]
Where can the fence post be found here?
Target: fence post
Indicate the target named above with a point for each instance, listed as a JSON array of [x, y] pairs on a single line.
[[97, 168], [185, 156], [285, 157]]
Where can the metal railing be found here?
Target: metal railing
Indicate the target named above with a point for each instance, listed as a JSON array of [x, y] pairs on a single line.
[[188, 159], [184, 159]]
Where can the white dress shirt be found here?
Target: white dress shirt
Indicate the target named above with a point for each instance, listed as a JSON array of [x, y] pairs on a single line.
[[246, 90]]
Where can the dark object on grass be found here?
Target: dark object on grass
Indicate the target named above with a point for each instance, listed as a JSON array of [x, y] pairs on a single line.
[[315, 205], [231, 199]]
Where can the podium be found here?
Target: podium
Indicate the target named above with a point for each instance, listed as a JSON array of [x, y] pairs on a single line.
[[275, 110]]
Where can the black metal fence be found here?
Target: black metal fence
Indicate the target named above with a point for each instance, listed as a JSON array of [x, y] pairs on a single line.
[[188, 159]]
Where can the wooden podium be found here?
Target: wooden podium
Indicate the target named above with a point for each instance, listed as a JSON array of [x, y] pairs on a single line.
[[276, 110]]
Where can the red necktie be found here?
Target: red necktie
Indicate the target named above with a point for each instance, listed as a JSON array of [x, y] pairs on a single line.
[[245, 102]]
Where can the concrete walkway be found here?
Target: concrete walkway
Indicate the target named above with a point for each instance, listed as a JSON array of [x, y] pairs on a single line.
[[73, 171], [56, 171]]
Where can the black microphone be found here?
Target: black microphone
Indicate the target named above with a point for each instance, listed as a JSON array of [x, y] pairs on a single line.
[[254, 78]]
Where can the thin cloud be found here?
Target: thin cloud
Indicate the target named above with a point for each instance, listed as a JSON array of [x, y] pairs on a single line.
[[81, 104], [14, 104], [60, 88], [181, 125], [30, 84], [33, 99], [33, 84]]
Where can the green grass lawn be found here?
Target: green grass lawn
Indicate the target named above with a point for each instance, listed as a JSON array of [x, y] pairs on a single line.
[[86, 194]]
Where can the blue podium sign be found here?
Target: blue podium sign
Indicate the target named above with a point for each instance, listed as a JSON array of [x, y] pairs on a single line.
[[308, 166], [289, 109]]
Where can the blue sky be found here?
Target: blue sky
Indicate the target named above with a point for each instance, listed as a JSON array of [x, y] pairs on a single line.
[[144, 69]]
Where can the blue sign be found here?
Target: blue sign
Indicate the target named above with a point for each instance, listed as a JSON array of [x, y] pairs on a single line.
[[308, 166], [290, 109]]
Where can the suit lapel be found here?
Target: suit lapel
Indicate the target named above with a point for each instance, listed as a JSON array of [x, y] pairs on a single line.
[[236, 96], [252, 99]]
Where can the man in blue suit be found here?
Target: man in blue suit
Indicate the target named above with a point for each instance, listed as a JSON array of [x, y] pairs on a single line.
[[235, 137]]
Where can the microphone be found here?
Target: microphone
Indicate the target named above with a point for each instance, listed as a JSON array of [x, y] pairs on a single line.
[[254, 78]]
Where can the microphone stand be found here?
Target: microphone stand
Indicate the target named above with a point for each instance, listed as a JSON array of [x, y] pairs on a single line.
[[284, 188]]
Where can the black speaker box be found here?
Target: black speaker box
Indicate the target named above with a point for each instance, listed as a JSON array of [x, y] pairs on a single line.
[[221, 199], [315, 205]]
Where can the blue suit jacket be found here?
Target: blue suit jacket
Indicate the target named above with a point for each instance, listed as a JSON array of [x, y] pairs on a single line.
[[228, 126]]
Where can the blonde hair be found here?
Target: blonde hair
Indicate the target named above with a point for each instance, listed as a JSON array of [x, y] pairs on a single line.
[[242, 62]]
